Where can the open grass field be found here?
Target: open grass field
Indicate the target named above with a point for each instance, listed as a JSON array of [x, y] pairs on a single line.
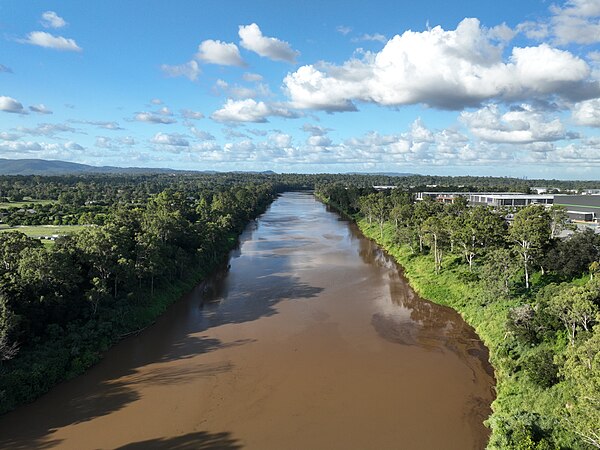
[[43, 230], [24, 203]]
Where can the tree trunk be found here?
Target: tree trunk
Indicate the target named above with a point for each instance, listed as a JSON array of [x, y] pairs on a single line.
[[435, 254]]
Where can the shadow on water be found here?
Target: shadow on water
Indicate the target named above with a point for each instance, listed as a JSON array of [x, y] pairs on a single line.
[[101, 392], [193, 441], [418, 321], [247, 293], [258, 275]]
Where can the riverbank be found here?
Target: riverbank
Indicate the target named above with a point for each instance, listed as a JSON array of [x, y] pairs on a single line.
[[309, 339], [522, 411], [67, 353], [63, 350]]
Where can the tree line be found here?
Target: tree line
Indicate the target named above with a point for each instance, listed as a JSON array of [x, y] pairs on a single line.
[[62, 305], [543, 290]]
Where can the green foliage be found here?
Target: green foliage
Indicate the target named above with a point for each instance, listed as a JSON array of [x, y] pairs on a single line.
[[573, 256], [582, 371], [542, 345], [540, 367], [62, 306], [8, 347], [530, 233]]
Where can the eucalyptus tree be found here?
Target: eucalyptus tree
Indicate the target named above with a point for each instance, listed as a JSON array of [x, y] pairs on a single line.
[[499, 268], [401, 215], [436, 232], [478, 230], [380, 209], [530, 233], [365, 205], [576, 308], [581, 371], [423, 210]]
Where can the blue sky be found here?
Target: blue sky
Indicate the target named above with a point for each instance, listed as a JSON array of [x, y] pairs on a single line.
[[475, 87]]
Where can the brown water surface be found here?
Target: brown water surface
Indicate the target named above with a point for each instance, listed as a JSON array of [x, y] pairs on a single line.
[[311, 340]]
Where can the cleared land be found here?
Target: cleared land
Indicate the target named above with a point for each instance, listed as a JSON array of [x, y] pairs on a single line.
[[40, 231], [24, 203]]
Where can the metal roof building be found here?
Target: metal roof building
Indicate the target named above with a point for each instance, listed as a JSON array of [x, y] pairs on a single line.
[[495, 199], [585, 208]]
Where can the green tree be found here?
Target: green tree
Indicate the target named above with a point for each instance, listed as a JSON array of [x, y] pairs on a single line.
[[559, 220], [575, 307], [423, 210], [12, 243], [437, 234], [571, 257], [478, 230], [582, 371], [365, 205], [497, 272], [594, 268], [8, 349], [530, 233], [380, 210]]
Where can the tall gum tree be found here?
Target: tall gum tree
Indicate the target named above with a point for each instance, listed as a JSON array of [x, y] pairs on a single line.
[[530, 233]]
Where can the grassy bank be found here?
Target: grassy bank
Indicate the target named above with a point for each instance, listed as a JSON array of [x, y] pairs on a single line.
[[525, 415]]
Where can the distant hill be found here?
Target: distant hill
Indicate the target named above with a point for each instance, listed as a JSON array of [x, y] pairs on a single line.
[[46, 167]]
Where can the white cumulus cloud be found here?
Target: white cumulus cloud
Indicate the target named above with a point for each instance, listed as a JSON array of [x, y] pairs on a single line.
[[170, 139], [252, 39], [222, 53], [519, 126], [573, 22], [444, 69], [587, 113], [190, 114], [40, 109], [249, 110], [52, 20], [47, 129], [47, 40], [153, 118], [9, 104], [191, 70]]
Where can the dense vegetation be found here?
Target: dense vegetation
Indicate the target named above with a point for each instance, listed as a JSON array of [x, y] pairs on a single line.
[[145, 239], [533, 298], [62, 305]]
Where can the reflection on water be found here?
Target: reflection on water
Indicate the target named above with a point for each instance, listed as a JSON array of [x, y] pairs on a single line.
[[309, 337]]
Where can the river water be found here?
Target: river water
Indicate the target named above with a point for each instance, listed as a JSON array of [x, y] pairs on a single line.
[[310, 339]]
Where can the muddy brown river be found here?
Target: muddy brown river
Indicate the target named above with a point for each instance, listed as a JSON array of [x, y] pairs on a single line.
[[310, 339]]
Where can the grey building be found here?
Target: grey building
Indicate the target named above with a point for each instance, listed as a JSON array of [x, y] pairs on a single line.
[[510, 199], [495, 199], [584, 208]]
